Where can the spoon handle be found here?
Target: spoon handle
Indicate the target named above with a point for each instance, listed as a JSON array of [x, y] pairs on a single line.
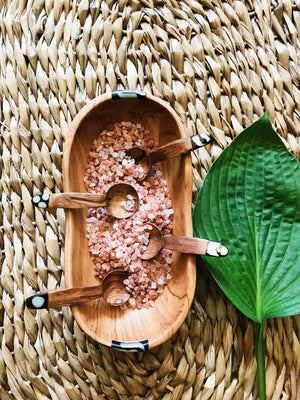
[[64, 297], [69, 200], [190, 245], [179, 146]]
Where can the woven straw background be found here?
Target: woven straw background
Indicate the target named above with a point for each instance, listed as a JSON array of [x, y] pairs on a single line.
[[220, 65]]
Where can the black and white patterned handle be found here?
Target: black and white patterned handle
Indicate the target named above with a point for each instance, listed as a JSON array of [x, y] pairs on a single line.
[[199, 140], [140, 345], [37, 302], [41, 200], [128, 94]]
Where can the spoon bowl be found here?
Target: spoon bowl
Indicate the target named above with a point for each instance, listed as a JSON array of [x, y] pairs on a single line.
[[122, 200], [112, 290], [142, 158]]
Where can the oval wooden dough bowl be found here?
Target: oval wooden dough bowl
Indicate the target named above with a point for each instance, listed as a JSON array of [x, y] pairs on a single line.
[[130, 329]]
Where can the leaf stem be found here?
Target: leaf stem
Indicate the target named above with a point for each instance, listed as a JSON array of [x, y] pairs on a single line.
[[260, 354]]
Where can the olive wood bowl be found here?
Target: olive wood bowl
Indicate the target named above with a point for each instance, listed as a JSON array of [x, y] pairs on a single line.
[[129, 329]]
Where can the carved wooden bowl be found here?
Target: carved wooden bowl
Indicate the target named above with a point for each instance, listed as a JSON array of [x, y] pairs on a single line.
[[130, 329]]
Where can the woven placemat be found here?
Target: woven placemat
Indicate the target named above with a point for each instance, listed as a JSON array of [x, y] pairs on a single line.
[[220, 65]]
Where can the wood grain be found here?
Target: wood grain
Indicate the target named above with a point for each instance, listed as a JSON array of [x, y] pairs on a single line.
[[185, 244], [76, 200], [171, 150], [71, 296], [99, 320]]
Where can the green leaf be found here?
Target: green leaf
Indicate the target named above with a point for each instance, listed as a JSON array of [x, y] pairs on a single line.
[[250, 201]]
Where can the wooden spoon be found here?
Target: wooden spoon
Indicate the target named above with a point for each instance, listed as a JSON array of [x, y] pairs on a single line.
[[112, 290], [183, 244], [113, 200], [170, 150]]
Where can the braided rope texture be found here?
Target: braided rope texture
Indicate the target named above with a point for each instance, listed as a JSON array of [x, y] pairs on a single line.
[[220, 65]]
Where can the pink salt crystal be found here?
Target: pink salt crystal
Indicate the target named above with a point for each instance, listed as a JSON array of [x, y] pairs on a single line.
[[119, 243]]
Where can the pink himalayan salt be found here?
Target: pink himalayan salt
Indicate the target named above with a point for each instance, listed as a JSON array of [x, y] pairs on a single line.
[[117, 243]]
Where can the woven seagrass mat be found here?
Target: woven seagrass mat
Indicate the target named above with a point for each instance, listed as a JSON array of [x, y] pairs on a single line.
[[220, 65]]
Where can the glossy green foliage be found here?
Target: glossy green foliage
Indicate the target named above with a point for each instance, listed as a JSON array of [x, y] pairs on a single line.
[[250, 201]]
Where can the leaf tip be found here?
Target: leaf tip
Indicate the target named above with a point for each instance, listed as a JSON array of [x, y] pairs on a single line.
[[265, 118]]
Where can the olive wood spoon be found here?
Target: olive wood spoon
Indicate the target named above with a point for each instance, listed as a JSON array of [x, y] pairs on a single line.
[[113, 200], [170, 150], [111, 289], [182, 244]]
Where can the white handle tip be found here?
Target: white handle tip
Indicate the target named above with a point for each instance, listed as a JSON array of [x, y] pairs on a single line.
[[216, 249]]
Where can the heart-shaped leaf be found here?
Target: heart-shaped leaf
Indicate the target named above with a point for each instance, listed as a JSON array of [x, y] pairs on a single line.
[[250, 201]]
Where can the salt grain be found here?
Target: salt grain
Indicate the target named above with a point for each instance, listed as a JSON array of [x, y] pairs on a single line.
[[119, 243]]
